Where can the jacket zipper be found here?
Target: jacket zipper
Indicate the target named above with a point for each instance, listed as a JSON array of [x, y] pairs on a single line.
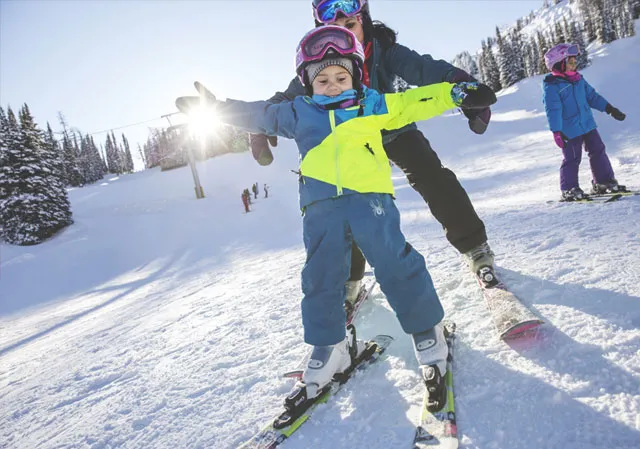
[[332, 121]]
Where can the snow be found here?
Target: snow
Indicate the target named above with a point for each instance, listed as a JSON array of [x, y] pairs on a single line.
[[158, 320]]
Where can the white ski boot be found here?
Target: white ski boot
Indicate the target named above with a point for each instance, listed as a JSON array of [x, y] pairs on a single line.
[[478, 257], [431, 349], [327, 361]]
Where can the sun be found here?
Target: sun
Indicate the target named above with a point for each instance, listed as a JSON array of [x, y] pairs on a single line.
[[203, 122]]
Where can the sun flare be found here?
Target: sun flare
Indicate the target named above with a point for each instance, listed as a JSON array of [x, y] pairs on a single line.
[[203, 122]]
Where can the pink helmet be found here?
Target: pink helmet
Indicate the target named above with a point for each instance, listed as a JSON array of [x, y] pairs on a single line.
[[321, 42], [559, 53]]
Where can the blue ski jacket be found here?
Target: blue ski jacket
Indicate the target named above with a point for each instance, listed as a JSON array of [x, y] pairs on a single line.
[[568, 105]]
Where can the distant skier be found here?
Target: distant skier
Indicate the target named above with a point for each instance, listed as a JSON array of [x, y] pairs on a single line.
[[352, 201], [266, 191], [568, 100], [245, 201], [255, 190]]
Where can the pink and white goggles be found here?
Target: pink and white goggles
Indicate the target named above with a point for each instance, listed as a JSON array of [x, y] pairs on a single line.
[[317, 42]]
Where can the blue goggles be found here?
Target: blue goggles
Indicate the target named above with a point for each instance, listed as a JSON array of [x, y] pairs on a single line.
[[327, 11]]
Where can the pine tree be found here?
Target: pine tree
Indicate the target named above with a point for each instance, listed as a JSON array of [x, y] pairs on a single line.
[[492, 72], [69, 168], [142, 158], [624, 26], [586, 8], [559, 35], [543, 47], [603, 20], [113, 154], [467, 63], [8, 143], [98, 166], [53, 147], [530, 57], [518, 54], [576, 37], [37, 205], [635, 9], [128, 158]]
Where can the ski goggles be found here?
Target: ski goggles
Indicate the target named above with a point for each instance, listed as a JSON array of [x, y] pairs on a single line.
[[573, 50], [319, 41], [327, 11]]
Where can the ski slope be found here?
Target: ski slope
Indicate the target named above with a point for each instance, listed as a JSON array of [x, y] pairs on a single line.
[[162, 321]]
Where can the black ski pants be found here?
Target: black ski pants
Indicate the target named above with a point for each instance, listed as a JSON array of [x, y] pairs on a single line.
[[441, 190]]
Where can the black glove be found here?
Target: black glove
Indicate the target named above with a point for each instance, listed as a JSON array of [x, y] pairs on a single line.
[[472, 95], [260, 147], [478, 119], [615, 112]]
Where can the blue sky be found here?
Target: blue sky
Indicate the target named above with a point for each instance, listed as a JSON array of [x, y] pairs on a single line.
[[110, 63]]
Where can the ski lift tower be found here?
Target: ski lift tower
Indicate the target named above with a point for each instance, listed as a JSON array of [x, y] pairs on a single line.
[[190, 157]]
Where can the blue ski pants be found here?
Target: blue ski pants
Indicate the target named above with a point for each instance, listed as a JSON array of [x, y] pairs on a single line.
[[373, 221]]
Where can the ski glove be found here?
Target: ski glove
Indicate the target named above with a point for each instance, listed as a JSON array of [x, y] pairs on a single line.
[[206, 98], [260, 147], [478, 119], [615, 112], [560, 138], [472, 95]]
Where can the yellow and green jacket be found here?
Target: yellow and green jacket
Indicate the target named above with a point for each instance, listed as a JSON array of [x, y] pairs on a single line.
[[341, 150]]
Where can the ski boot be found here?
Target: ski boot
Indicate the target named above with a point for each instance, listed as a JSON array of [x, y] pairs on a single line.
[[574, 194], [431, 352], [480, 261], [611, 186], [326, 365]]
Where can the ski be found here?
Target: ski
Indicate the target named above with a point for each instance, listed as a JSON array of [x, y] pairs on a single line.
[[609, 197], [437, 426], [368, 283], [284, 425], [510, 316]]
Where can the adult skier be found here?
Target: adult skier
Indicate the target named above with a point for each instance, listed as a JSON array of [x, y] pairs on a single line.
[[407, 148]]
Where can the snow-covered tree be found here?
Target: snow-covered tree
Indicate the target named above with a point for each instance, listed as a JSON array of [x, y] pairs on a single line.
[[559, 36], [543, 47], [467, 63], [491, 70], [509, 63], [127, 161], [36, 206]]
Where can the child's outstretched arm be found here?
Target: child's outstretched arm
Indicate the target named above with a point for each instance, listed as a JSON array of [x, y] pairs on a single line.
[[259, 116], [423, 103], [256, 117]]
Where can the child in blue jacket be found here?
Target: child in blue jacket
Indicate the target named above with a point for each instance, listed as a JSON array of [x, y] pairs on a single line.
[[346, 193], [568, 100]]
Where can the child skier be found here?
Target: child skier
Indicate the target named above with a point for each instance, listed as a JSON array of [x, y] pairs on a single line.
[[568, 100], [346, 193]]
